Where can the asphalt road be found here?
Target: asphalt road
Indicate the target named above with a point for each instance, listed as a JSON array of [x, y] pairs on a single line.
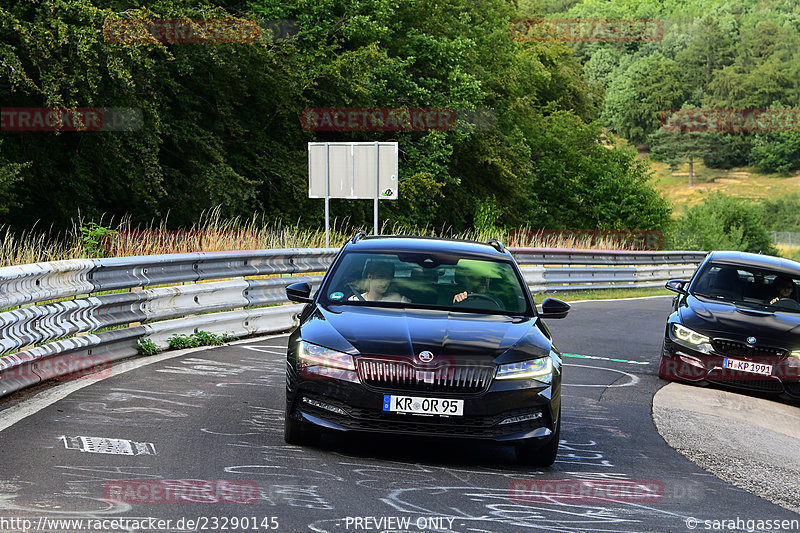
[[211, 421]]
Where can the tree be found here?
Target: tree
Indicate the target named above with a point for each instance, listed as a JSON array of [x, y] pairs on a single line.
[[674, 147], [221, 120], [635, 98]]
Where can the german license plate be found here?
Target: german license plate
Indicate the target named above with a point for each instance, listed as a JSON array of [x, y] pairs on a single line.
[[747, 366], [423, 406]]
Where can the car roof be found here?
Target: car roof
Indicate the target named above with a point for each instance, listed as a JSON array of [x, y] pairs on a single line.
[[393, 244], [755, 260]]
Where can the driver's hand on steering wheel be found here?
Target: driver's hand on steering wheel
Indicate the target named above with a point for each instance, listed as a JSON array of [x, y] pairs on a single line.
[[460, 297], [774, 300]]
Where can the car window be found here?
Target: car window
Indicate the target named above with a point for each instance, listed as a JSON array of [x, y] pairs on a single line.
[[749, 286], [426, 280]]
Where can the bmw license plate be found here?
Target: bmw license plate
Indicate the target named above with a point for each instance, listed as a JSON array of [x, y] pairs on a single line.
[[423, 406], [747, 366]]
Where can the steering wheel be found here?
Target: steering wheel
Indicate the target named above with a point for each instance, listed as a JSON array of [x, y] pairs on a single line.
[[790, 303], [485, 297]]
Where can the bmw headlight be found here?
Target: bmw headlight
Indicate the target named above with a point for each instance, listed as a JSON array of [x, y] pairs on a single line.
[[689, 336], [325, 356], [535, 368], [795, 354]]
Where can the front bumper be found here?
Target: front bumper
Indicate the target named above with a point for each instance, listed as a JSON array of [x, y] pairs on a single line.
[[681, 363], [342, 405]]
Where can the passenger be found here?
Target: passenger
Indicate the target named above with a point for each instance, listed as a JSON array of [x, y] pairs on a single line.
[[379, 277]]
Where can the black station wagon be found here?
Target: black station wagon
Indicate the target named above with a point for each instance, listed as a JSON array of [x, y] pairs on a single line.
[[427, 337]]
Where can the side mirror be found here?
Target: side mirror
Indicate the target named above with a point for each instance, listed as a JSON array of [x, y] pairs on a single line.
[[554, 308], [677, 285], [299, 292]]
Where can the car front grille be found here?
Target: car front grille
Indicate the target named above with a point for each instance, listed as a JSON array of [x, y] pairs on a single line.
[[740, 349], [402, 375], [763, 385], [793, 388]]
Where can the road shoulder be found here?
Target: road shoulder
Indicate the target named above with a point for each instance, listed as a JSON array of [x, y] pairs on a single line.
[[751, 443]]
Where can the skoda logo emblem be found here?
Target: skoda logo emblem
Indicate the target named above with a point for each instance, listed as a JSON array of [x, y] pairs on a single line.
[[426, 356], [751, 340]]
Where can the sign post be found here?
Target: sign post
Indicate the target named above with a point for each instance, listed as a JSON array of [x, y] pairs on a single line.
[[352, 170], [377, 188]]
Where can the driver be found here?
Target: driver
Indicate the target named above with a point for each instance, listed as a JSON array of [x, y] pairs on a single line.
[[472, 282], [783, 287]]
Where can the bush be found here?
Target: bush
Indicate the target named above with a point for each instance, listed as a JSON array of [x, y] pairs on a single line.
[[179, 342], [776, 152], [147, 347], [208, 339], [200, 338], [782, 214], [723, 223]]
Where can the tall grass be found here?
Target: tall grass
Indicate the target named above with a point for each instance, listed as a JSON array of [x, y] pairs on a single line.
[[37, 246], [214, 233]]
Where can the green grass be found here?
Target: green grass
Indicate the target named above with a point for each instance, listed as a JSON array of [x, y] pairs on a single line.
[[602, 294], [743, 182]]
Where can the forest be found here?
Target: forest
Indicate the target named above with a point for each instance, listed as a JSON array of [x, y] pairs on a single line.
[[220, 123]]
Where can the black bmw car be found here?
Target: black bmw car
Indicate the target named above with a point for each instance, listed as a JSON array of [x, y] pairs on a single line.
[[427, 337], [736, 322]]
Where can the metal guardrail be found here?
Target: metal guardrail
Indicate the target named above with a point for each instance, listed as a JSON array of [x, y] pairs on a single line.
[[558, 270], [58, 314]]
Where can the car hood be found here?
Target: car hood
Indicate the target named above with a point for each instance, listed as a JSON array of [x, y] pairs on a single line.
[[407, 332], [738, 322]]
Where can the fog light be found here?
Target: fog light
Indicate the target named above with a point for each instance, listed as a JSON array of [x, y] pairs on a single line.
[[521, 418], [325, 406]]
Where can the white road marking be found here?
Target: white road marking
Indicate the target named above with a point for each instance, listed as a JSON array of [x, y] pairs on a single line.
[[601, 358], [108, 446], [273, 350], [633, 379]]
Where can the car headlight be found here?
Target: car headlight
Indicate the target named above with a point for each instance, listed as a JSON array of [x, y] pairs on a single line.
[[690, 336], [325, 356], [795, 354], [535, 368]]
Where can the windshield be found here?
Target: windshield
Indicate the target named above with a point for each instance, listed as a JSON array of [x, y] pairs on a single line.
[[426, 280], [751, 286]]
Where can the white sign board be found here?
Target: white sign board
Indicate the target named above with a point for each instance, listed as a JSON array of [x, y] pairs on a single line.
[[348, 170]]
